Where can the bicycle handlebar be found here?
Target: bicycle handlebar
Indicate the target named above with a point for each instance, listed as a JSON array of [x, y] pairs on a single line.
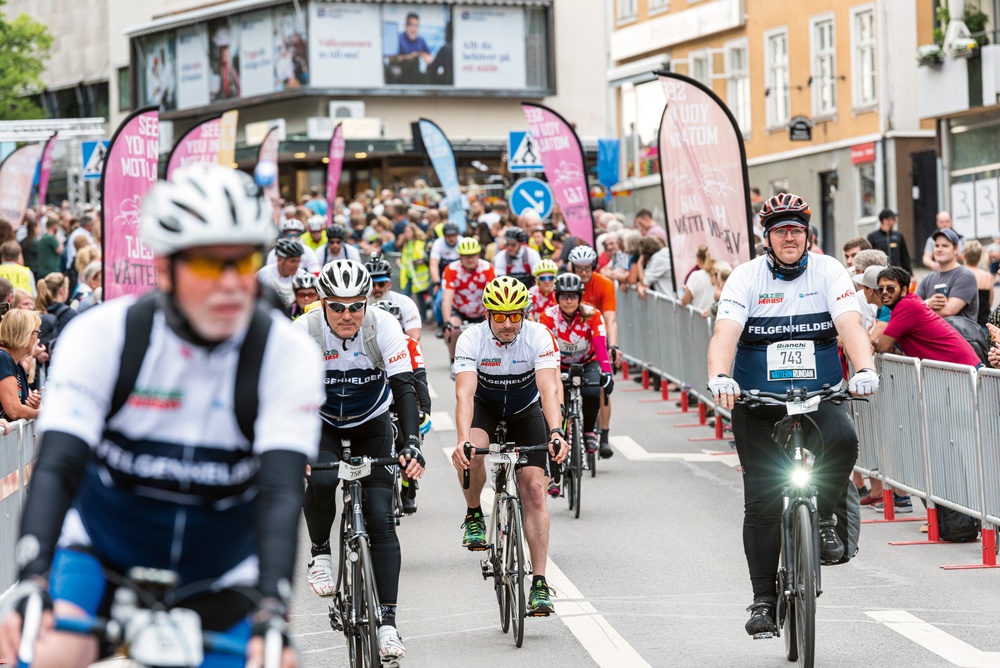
[[375, 461], [754, 398], [506, 448]]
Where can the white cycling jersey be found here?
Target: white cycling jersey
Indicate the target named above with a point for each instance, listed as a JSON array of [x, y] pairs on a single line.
[[440, 250], [409, 313], [347, 252], [506, 372], [170, 481], [310, 261], [356, 390], [269, 276], [522, 263]]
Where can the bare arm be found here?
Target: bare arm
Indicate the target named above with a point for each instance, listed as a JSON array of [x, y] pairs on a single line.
[[446, 300], [611, 324], [856, 343], [548, 382], [722, 352], [885, 344], [435, 270], [687, 297], [928, 261], [465, 390], [953, 306], [11, 401]]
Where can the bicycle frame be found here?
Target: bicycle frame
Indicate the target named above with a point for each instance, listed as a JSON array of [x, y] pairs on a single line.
[[795, 495]]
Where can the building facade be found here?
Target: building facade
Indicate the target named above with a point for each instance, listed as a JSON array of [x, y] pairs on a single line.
[[843, 69]]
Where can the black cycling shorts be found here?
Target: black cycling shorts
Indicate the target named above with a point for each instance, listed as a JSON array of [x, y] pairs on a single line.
[[525, 428]]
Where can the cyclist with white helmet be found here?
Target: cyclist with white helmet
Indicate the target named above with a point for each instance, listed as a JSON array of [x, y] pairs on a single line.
[[338, 246], [292, 228], [508, 369], [306, 293], [316, 228], [444, 251], [464, 282], [542, 294], [517, 259], [217, 504], [279, 276], [381, 272], [367, 366], [599, 291]]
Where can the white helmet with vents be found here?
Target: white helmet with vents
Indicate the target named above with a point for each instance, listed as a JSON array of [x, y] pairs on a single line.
[[344, 279]]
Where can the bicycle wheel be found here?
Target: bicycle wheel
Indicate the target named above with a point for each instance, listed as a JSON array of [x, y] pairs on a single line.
[[366, 606], [786, 615], [497, 560], [804, 584], [514, 570], [592, 463], [576, 466]]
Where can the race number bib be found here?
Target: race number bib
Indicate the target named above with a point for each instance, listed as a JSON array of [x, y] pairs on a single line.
[[573, 347], [791, 360]]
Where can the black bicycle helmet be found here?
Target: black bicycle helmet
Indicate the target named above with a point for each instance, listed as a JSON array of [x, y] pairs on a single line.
[[289, 248], [784, 209], [449, 228], [378, 267], [337, 232], [568, 283], [515, 234]]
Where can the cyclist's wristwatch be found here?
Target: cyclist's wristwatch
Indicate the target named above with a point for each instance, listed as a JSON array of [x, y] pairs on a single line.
[[557, 430]]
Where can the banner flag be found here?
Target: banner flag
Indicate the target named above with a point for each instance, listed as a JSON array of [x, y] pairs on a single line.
[[45, 169], [130, 170], [268, 153], [17, 175], [199, 144], [562, 157], [333, 169], [442, 156], [703, 169]]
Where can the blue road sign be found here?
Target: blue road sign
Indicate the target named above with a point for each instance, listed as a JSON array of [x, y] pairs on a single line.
[[522, 152], [531, 194], [93, 158]]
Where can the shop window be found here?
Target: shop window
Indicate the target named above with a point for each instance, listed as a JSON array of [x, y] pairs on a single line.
[[863, 68], [866, 190], [824, 68], [776, 68], [738, 83], [124, 89], [701, 67]]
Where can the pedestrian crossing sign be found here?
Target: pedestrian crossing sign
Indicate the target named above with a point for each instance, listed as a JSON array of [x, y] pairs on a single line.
[[93, 158], [522, 152]]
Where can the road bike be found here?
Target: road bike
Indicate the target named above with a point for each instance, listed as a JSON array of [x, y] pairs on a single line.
[[579, 459], [799, 583], [505, 543], [355, 610]]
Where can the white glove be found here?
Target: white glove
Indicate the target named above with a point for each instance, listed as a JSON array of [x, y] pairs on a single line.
[[724, 385], [863, 383]]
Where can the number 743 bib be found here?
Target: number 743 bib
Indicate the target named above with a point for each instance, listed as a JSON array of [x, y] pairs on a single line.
[[791, 360]]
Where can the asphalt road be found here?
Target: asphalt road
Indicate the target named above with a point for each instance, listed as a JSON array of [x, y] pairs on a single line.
[[653, 573]]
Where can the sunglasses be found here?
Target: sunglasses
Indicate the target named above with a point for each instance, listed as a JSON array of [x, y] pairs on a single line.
[[340, 307], [212, 268], [335, 241], [546, 279], [888, 289], [567, 296], [503, 317]]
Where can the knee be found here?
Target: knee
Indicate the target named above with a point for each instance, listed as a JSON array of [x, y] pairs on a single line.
[[533, 493], [378, 511], [323, 486]]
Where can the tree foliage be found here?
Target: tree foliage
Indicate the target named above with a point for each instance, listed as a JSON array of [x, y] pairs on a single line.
[[24, 47]]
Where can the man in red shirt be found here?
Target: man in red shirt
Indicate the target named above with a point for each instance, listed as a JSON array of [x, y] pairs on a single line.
[[919, 331]]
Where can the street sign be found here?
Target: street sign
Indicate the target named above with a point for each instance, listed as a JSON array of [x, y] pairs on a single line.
[[800, 129], [93, 159], [522, 152], [531, 194]]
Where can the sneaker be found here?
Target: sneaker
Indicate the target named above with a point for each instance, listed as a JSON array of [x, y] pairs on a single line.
[[475, 533], [590, 441], [903, 504], [761, 624], [321, 575], [540, 601], [390, 646], [606, 451], [870, 500], [554, 489], [831, 548], [863, 491], [923, 528]]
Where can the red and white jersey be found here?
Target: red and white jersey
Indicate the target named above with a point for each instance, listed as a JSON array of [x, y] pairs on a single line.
[[468, 287], [575, 338], [540, 302], [416, 354]]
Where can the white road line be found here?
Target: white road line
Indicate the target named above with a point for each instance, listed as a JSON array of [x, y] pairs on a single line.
[[604, 644], [931, 638], [635, 452], [430, 391], [441, 421]]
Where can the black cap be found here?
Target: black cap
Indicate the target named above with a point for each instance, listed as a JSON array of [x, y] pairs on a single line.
[[886, 213]]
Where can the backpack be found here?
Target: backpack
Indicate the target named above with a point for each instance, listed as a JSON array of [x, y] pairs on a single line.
[[139, 326], [956, 527], [973, 333], [316, 321]]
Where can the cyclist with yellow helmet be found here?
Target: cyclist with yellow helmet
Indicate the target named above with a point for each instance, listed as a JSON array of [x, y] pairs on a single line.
[[542, 294], [507, 368], [464, 281]]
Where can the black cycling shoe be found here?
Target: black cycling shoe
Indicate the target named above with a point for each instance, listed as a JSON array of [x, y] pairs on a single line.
[[606, 451], [761, 624], [408, 498], [831, 548]]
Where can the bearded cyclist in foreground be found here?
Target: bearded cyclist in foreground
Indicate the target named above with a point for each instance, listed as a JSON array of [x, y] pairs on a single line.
[[508, 369], [788, 296]]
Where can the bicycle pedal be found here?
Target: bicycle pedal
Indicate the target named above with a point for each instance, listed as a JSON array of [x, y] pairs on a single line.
[[767, 635], [538, 614], [487, 569], [335, 622], [477, 548]]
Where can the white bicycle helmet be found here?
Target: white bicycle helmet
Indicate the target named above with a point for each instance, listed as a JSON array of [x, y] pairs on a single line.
[[582, 255], [316, 223], [205, 205], [344, 279], [304, 282], [291, 225]]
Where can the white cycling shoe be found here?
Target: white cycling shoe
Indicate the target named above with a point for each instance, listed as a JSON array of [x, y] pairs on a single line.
[[321, 575], [390, 646]]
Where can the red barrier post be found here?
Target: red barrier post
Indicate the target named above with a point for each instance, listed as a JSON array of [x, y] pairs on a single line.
[[645, 378], [664, 388]]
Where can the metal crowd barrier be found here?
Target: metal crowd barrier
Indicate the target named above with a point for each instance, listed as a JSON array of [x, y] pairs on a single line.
[[17, 455], [931, 430]]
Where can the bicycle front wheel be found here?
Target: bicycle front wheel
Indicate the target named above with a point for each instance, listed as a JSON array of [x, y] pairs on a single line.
[[366, 609], [498, 559], [514, 570], [804, 584], [576, 466]]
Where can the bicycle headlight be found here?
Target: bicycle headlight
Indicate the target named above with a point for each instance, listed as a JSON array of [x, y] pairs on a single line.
[[800, 477]]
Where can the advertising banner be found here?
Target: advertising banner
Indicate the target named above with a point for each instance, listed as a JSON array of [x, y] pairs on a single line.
[[333, 169], [987, 214], [159, 84], [345, 45], [291, 53], [256, 53], [227, 137], [442, 156], [199, 144], [963, 209], [562, 157], [17, 174], [45, 168], [224, 59], [130, 170], [192, 66], [268, 152], [489, 43], [706, 192], [417, 45]]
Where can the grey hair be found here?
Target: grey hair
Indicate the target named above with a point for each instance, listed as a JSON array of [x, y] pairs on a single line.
[[870, 258]]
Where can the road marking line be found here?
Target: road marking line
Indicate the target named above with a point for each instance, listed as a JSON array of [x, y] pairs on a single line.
[[604, 644], [635, 452], [430, 390], [441, 421], [931, 638]]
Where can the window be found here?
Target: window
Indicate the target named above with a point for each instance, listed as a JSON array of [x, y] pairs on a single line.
[[863, 56], [124, 89], [627, 10], [776, 69], [738, 83], [657, 6], [701, 67], [642, 109], [866, 190], [537, 48], [824, 67]]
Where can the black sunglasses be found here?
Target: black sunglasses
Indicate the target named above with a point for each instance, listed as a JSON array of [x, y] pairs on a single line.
[[340, 307]]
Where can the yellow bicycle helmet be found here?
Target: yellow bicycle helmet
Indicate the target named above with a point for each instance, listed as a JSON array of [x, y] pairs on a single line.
[[505, 294], [469, 246], [545, 267]]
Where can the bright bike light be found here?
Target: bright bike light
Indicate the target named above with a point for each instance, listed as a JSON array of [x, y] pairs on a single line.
[[800, 478]]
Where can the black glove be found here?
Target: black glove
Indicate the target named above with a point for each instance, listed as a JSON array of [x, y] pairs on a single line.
[[411, 450], [608, 383]]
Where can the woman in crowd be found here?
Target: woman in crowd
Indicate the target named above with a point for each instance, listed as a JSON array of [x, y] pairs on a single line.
[[973, 253], [19, 330], [53, 292], [23, 299], [698, 289]]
